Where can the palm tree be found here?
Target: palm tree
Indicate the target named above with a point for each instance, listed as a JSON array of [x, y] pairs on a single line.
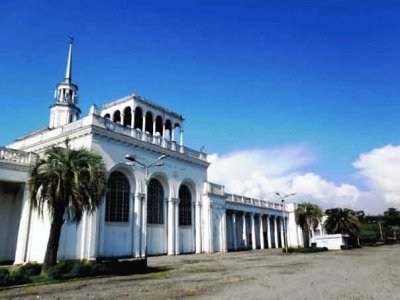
[[308, 216], [68, 183], [342, 220]]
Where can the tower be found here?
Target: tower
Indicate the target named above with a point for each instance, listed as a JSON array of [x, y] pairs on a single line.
[[65, 111]]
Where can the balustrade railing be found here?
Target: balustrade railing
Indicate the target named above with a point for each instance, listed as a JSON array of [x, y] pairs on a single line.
[[147, 137], [17, 157], [251, 201]]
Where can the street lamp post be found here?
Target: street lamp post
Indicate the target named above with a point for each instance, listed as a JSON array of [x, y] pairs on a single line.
[[156, 163], [283, 198]]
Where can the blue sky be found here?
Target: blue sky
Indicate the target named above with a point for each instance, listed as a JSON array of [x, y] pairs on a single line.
[[245, 74]]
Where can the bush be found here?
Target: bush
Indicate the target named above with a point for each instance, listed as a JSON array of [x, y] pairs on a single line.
[[60, 269], [305, 250], [98, 269], [31, 269], [4, 274], [18, 277], [80, 269]]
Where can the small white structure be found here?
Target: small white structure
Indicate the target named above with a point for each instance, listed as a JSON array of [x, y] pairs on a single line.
[[332, 241], [171, 210]]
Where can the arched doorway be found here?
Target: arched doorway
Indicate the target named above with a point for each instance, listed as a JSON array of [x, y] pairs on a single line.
[[156, 235], [186, 232], [117, 232]]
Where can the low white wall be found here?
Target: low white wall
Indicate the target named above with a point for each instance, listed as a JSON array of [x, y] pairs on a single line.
[[331, 241]]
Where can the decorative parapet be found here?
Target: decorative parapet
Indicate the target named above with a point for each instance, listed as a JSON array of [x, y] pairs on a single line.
[[219, 190], [17, 157], [214, 189], [251, 201]]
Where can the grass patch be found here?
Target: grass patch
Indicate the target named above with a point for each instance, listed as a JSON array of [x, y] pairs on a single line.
[[306, 250], [71, 269], [202, 270], [154, 275]]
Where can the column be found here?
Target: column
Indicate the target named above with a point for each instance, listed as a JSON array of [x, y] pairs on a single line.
[[177, 245], [131, 219], [154, 127], [154, 131], [144, 123], [223, 232], [282, 233], [122, 118], [244, 233], [276, 231], [193, 225], [171, 227], [262, 246], [181, 140], [133, 119], [173, 134], [269, 232], [137, 211], [143, 244], [198, 226], [253, 232], [234, 231], [23, 230], [210, 229], [163, 130]]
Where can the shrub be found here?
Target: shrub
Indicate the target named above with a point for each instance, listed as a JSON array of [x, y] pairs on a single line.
[[4, 274], [99, 269], [18, 277], [60, 269], [79, 269], [305, 250], [31, 269]]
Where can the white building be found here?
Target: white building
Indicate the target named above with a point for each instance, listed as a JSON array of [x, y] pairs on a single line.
[[172, 210]]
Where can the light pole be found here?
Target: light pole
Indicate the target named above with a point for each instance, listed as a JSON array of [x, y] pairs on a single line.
[[156, 163], [283, 198]]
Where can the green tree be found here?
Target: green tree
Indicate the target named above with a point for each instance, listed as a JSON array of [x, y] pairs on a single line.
[[68, 183], [308, 216], [342, 220]]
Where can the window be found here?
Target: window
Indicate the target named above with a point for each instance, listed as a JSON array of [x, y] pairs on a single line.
[[117, 198], [185, 206], [155, 202]]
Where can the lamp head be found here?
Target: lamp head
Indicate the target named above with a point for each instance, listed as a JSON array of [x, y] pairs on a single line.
[[130, 157]]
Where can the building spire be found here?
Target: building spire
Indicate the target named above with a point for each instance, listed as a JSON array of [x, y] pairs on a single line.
[[68, 71]]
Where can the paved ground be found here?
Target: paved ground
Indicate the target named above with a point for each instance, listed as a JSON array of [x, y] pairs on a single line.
[[368, 273]]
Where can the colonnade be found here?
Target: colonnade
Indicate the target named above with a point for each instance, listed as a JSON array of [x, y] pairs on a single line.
[[147, 123], [255, 230]]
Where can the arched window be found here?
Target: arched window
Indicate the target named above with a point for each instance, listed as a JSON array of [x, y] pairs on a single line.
[[117, 198], [127, 116], [117, 116], [185, 206], [138, 118], [107, 116], [155, 202], [149, 122], [168, 130], [177, 131], [159, 125]]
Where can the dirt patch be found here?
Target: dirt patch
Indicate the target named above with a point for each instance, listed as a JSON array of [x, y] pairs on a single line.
[[368, 273]]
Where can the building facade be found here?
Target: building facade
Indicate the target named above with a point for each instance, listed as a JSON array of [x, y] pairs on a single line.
[[167, 207]]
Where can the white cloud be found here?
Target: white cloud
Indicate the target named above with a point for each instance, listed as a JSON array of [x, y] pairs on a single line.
[[327, 194], [379, 169], [259, 173]]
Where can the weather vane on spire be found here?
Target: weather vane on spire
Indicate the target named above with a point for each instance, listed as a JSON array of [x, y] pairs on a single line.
[[71, 39]]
